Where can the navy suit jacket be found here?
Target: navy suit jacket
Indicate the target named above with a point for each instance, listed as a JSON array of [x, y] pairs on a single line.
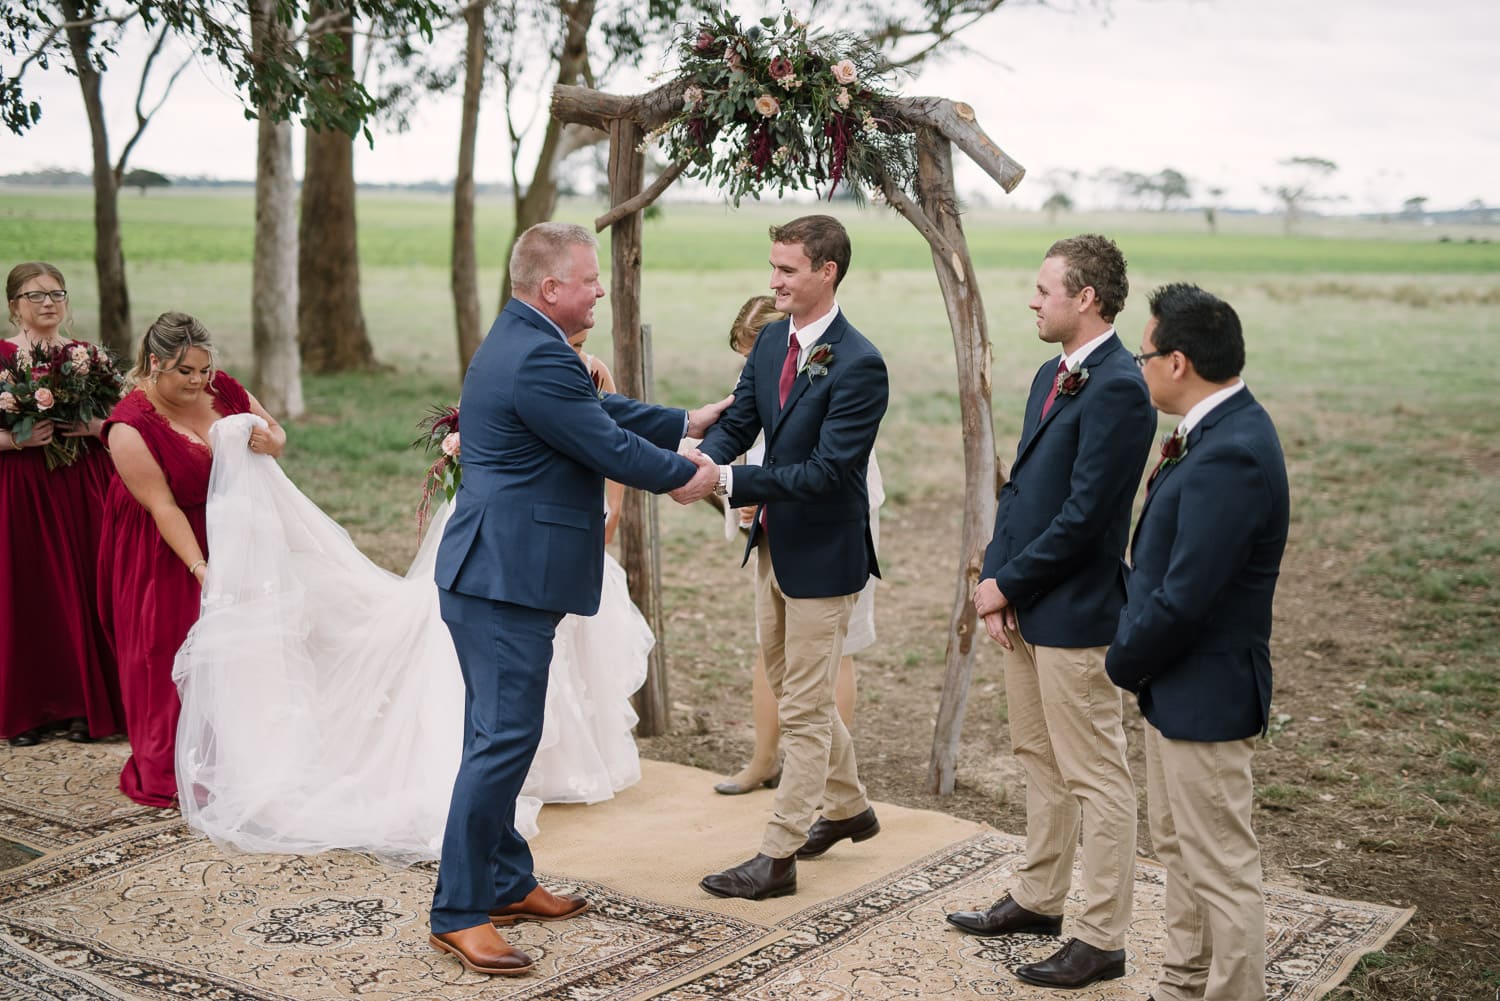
[[817, 453], [538, 441], [1063, 518], [1194, 639]]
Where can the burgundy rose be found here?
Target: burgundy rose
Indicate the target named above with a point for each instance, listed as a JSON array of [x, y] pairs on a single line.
[[704, 41], [781, 67], [1173, 448], [1070, 382]]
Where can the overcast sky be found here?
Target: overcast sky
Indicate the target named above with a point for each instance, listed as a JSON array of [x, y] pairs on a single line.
[[1402, 96]]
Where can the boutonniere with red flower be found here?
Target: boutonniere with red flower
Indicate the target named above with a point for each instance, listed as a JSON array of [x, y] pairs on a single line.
[[1174, 447], [817, 362], [1071, 381]]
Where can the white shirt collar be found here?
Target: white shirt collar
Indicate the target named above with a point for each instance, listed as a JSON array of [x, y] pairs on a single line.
[[1202, 408], [1080, 356], [544, 316], [809, 335]]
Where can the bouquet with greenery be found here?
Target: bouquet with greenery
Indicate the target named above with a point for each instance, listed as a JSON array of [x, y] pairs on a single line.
[[440, 435], [777, 106], [71, 383]]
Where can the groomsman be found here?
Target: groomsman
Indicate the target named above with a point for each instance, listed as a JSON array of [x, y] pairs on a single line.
[[1050, 594], [1194, 641], [818, 389]]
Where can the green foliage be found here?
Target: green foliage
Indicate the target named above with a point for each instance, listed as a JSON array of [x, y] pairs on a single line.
[[775, 106], [309, 82]]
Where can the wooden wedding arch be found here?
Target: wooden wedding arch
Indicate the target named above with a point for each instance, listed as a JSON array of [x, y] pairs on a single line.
[[938, 125]]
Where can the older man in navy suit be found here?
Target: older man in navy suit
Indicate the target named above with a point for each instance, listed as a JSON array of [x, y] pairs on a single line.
[[1050, 593], [524, 547], [818, 389], [1193, 641]]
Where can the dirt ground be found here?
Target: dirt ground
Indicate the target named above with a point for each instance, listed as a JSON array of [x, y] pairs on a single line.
[[1324, 823]]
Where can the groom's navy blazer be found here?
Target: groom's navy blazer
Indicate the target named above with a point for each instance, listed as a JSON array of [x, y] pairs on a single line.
[[1063, 519], [538, 440], [812, 480], [1194, 639]]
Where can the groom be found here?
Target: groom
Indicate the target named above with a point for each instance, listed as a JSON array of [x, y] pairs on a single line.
[[817, 388], [524, 547]]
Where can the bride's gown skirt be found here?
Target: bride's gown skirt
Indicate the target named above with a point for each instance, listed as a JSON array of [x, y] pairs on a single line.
[[322, 704]]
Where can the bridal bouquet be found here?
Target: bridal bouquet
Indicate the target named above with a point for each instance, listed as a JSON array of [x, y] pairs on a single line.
[[439, 434], [69, 384]]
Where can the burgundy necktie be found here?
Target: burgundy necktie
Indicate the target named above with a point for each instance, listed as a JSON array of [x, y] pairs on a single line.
[[1062, 369], [789, 367]]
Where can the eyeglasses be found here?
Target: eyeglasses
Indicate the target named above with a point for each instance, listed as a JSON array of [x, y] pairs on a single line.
[[1141, 360], [37, 298]]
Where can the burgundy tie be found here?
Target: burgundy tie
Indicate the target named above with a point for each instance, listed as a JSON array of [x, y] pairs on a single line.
[[789, 367], [1062, 369]]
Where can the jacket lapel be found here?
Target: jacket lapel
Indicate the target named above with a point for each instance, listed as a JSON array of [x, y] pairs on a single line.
[[1095, 358], [1236, 402], [803, 381]]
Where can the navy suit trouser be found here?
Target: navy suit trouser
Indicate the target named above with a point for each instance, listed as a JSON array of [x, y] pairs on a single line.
[[505, 653]]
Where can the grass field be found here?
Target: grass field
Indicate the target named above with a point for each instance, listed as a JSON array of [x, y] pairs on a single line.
[[1371, 345]]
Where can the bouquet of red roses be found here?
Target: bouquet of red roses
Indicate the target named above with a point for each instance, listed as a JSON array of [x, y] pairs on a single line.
[[71, 383], [440, 434]]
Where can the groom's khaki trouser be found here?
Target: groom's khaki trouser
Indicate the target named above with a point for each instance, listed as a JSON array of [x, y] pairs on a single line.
[[1067, 732], [802, 640], [1199, 797]]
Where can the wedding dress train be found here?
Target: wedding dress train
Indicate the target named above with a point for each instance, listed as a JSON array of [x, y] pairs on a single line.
[[322, 704]]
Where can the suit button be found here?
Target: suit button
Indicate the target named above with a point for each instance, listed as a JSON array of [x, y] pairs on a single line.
[[771, 460]]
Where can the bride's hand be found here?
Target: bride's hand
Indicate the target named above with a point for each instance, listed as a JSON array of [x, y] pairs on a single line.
[[262, 442]]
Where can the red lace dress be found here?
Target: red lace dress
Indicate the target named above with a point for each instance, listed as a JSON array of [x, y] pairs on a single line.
[[147, 598], [55, 663]]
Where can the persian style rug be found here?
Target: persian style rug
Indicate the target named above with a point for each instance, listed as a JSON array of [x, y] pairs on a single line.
[[151, 911]]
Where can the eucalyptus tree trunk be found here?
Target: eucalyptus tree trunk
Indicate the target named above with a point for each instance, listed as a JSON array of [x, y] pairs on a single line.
[[465, 276], [109, 255], [277, 379], [330, 321]]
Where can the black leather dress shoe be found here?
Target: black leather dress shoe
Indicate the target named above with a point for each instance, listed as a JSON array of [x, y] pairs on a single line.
[[1075, 965], [757, 879], [825, 833], [30, 738], [1006, 917]]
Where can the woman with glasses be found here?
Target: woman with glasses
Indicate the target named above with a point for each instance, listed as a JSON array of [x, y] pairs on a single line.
[[56, 671]]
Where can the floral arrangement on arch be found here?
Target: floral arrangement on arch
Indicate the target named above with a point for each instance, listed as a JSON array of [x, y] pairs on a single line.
[[776, 106], [69, 383]]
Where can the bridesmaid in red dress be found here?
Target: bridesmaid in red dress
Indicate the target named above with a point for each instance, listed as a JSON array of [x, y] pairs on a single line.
[[154, 554], [55, 664]]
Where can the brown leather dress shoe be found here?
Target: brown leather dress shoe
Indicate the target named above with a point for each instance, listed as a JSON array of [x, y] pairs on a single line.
[[757, 879], [482, 950], [1006, 917], [825, 833], [541, 904], [1075, 965]]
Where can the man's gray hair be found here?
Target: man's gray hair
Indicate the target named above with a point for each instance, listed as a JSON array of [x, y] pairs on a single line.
[[542, 251]]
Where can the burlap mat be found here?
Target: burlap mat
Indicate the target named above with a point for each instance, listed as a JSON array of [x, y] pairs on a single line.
[[148, 910]]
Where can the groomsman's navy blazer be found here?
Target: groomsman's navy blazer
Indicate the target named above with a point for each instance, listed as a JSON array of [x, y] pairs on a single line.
[[817, 453], [1064, 514], [1194, 640], [528, 519]]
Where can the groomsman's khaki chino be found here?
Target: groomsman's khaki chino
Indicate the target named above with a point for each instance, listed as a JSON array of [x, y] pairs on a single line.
[[1199, 796], [1067, 731], [802, 640]]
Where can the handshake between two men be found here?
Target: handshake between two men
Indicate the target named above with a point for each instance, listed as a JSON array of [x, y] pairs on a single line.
[[706, 480]]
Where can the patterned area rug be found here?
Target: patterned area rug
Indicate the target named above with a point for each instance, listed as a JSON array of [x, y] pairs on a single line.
[[137, 908], [59, 793]]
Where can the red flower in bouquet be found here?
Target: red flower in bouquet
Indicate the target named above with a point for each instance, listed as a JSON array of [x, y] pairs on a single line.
[[70, 384]]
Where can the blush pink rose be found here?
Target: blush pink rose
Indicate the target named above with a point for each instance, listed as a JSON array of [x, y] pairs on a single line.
[[767, 105], [44, 399], [844, 72], [450, 445]]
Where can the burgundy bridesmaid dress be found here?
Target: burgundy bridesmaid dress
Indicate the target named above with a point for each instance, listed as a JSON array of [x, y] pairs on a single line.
[[55, 663], [147, 598]]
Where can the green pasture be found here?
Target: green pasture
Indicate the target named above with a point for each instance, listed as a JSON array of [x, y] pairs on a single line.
[[1372, 345]]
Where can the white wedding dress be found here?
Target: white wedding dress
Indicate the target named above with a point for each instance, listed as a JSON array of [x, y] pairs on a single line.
[[322, 704]]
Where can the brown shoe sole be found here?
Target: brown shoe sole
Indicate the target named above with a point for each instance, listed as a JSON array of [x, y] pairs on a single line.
[[506, 920], [442, 946]]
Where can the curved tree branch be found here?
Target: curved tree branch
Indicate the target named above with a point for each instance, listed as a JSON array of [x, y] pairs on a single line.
[[640, 201]]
